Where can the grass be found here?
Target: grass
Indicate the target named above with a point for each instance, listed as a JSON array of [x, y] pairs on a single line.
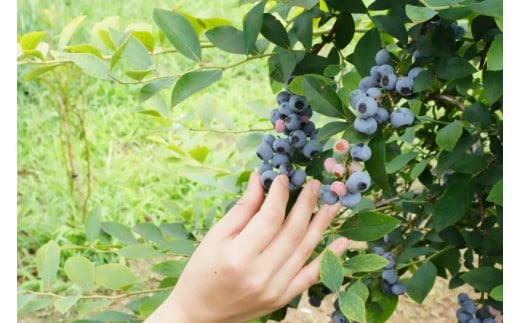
[[136, 176]]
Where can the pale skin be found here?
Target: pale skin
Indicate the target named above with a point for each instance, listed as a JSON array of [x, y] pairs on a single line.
[[254, 260]]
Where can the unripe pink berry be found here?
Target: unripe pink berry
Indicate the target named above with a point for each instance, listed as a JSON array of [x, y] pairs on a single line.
[[338, 188], [354, 166], [328, 164], [341, 146], [279, 125], [338, 170]]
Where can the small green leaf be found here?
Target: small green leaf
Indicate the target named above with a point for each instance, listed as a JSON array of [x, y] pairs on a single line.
[[322, 97], [38, 71], [178, 247], [273, 30], [351, 6], [360, 289], [199, 153], [32, 304], [478, 114], [90, 64], [175, 230], [493, 85], [69, 30], [149, 231], [118, 231], [302, 27], [376, 164], [455, 68], [455, 201], [146, 38], [497, 293], [424, 81], [252, 25], [419, 14], [48, 261], [114, 276], [492, 8], [352, 306], [331, 273], [31, 40], [93, 224], [170, 268], [330, 129], [495, 54], [193, 82], [483, 278], [345, 28], [367, 46], [496, 193], [368, 226], [80, 271], [392, 25], [400, 161], [179, 32], [227, 38], [365, 263], [419, 168], [154, 87], [446, 159], [139, 251], [84, 48], [137, 56], [62, 305], [448, 136], [87, 307], [381, 306], [422, 282], [113, 316]]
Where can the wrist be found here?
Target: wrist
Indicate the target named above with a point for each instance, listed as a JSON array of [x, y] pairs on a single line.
[[169, 311]]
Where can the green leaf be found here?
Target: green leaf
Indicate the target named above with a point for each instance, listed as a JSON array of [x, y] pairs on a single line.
[[392, 25], [149, 231], [170, 268], [497, 293], [322, 97], [150, 304], [483, 278], [179, 247], [138, 75], [199, 153], [400, 161], [93, 224], [273, 30], [175, 230], [84, 48], [470, 164], [114, 276], [496, 193], [368, 226], [119, 232], [367, 46], [360, 289], [446, 159], [48, 261], [419, 168], [302, 28], [330, 129], [32, 303], [422, 282], [424, 81], [113, 316], [281, 66], [139, 251], [495, 54], [154, 87], [492, 8], [38, 71], [31, 40], [419, 14], [90, 64], [376, 164], [352, 306], [478, 114], [62, 305], [493, 85], [80, 271], [455, 201], [448, 136], [331, 273], [365, 263], [345, 28], [179, 32], [352, 6], [381, 306], [455, 68], [227, 38], [146, 38], [68, 31], [86, 307], [137, 55], [252, 25], [192, 82]]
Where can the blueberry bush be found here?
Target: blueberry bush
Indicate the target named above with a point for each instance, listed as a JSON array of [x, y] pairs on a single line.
[[409, 140]]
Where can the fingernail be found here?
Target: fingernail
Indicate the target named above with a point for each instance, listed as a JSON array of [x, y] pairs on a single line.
[[332, 211], [316, 186]]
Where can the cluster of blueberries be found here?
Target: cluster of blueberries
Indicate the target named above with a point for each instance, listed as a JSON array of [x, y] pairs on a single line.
[[469, 313], [390, 283], [292, 119], [367, 98]]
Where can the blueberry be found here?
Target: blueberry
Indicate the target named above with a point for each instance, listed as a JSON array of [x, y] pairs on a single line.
[[374, 92], [469, 306], [264, 151], [404, 86], [338, 317], [265, 166], [381, 115], [462, 297], [282, 145], [475, 320], [309, 128], [311, 147], [361, 152], [327, 196], [297, 177], [386, 288], [401, 117], [268, 139], [285, 168], [279, 159], [292, 122], [367, 82], [488, 320], [298, 138], [389, 276], [267, 179], [388, 81], [298, 103], [275, 115], [315, 300], [378, 250], [382, 57], [398, 288], [366, 126], [350, 199], [284, 109], [463, 316], [283, 96], [374, 72], [358, 182], [355, 96], [366, 107], [385, 69], [414, 72], [391, 260]]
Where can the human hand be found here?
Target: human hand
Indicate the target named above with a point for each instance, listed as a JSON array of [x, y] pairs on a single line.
[[253, 261]]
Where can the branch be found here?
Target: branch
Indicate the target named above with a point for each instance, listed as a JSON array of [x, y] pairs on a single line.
[[446, 100]]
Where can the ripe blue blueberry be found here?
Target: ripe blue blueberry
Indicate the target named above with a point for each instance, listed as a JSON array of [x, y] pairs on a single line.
[[366, 126], [386, 287], [382, 115], [355, 96], [268, 139], [283, 96], [315, 300], [350, 199], [366, 107], [264, 151], [298, 103], [388, 81], [382, 57], [275, 115], [309, 128], [361, 152], [338, 317], [282, 145], [374, 92], [327, 196], [469, 306], [298, 138], [367, 82], [267, 179], [414, 72], [398, 288], [265, 166], [463, 316], [391, 260], [311, 147], [358, 182], [401, 117], [292, 122], [390, 276], [404, 86], [279, 159], [285, 168], [298, 177], [385, 69], [284, 109], [378, 250]]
